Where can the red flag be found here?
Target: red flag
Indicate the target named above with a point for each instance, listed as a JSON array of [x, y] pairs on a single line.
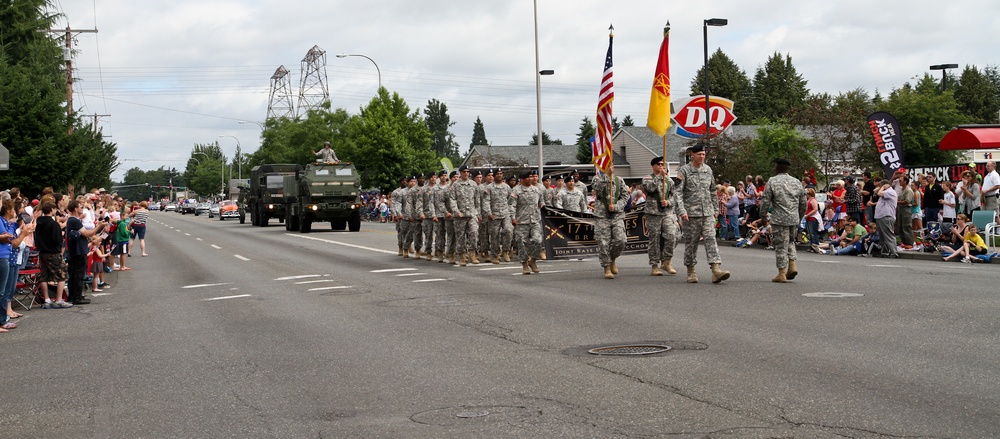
[[659, 98], [601, 148]]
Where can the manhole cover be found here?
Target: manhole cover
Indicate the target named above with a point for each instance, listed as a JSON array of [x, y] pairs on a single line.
[[831, 294], [634, 349], [472, 414]]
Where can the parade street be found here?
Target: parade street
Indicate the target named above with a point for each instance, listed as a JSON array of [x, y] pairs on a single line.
[[229, 330]]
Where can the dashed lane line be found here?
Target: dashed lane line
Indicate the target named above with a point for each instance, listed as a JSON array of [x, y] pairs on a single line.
[[242, 258], [390, 270], [216, 247], [186, 287], [339, 287], [410, 274], [378, 250], [226, 297], [301, 276], [313, 281], [437, 279]]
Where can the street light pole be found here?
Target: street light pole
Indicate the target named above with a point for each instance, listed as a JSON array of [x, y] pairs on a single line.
[[538, 98], [707, 23], [377, 70], [239, 158], [944, 68]]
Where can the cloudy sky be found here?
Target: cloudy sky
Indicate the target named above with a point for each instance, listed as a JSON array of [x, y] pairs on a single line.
[[175, 73]]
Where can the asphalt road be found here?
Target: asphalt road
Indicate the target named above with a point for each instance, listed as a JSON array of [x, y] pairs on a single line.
[[229, 330]]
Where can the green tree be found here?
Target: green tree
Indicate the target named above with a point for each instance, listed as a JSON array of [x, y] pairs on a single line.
[[204, 169], [925, 115], [977, 96], [839, 130], [439, 123], [293, 140], [733, 158], [587, 131], [478, 134], [726, 79], [626, 122], [546, 140], [388, 141], [777, 89]]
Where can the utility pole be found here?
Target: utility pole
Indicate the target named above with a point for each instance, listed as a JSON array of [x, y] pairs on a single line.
[[94, 126], [68, 57]]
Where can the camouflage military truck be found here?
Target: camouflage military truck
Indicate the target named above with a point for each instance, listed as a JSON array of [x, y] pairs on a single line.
[[323, 192], [266, 197]]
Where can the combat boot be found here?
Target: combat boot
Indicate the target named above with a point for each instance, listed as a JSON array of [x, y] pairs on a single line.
[[656, 270], [451, 258], [406, 253], [614, 267], [525, 270], [692, 276], [607, 272], [429, 255], [669, 269], [533, 265], [718, 274], [441, 256], [400, 253], [506, 256], [462, 259], [473, 257], [496, 259], [792, 272], [780, 278]]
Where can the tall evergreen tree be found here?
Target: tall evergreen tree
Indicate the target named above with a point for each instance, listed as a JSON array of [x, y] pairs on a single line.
[[977, 96], [727, 80], [925, 115], [587, 132], [546, 140], [478, 134], [777, 89], [439, 123], [627, 121]]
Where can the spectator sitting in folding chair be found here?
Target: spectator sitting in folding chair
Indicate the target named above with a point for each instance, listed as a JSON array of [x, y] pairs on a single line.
[[973, 246]]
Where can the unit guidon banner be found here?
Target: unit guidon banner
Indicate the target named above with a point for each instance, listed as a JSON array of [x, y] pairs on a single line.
[[888, 141], [570, 234]]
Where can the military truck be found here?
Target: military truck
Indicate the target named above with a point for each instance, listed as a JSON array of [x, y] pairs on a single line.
[[323, 192], [266, 197]]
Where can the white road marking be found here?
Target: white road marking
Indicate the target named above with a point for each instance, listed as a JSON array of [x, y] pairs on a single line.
[[388, 252], [499, 268], [100, 294], [313, 281], [301, 276], [242, 258], [341, 287], [438, 279], [204, 285], [187, 234], [216, 247], [830, 262], [390, 270], [887, 266], [199, 239], [542, 272], [227, 297], [410, 274]]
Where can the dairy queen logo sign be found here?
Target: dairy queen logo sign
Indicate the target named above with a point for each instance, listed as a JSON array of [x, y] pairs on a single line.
[[689, 117]]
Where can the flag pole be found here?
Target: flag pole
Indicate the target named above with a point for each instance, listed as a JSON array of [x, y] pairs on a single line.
[[611, 36], [663, 192]]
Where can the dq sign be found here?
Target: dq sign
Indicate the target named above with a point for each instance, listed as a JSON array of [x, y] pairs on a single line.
[[689, 119]]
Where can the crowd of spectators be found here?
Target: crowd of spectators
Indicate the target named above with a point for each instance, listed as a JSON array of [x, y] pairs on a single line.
[[57, 246]]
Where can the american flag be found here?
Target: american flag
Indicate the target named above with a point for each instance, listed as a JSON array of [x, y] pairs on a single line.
[[601, 146]]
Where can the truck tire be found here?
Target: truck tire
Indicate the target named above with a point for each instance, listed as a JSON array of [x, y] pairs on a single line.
[[354, 221], [243, 217], [305, 224], [288, 221]]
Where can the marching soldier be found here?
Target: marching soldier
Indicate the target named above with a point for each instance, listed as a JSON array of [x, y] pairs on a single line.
[[449, 220], [698, 206], [661, 223], [408, 215], [611, 194], [550, 192], [527, 201], [484, 227], [571, 199], [465, 208], [397, 199], [498, 217], [783, 194], [427, 214], [440, 215]]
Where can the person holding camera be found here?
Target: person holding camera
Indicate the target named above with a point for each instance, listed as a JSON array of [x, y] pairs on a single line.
[[77, 246], [885, 216]]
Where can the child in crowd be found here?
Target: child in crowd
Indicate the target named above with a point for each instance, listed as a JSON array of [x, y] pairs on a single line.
[[973, 246], [96, 259], [760, 232]]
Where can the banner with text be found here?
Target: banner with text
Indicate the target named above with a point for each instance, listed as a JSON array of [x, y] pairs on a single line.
[[951, 173], [570, 234], [888, 141]]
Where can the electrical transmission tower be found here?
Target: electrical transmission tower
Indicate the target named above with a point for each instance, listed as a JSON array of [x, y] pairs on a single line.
[[313, 92], [280, 103]]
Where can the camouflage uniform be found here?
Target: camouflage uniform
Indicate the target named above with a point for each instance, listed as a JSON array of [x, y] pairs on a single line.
[[398, 198], [550, 196], [784, 194], [609, 227], [484, 229], [440, 212], [527, 203], [465, 208], [500, 228], [415, 205], [427, 214], [661, 222], [449, 222], [572, 200], [697, 198], [406, 215]]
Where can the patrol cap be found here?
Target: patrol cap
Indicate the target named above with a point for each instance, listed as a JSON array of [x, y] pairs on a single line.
[[781, 161], [656, 160], [463, 168], [698, 147]]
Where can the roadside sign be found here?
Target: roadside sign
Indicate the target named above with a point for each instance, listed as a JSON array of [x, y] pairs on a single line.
[[689, 117], [4, 158]]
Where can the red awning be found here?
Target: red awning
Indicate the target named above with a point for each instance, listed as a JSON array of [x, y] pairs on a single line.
[[971, 138]]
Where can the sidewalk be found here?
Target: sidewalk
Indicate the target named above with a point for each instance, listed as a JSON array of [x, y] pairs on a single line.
[[906, 254]]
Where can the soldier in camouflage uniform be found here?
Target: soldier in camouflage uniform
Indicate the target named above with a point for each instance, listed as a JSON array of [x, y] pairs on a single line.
[[407, 214], [611, 194], [784, 196], [527, 201], [661, 223], [440, 214], [570, 198], [416, 226], [449, 221], [426, 209], [396, 200], [484, 226], [550, 193], [496, 200], [698, 206], [465, 208]]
